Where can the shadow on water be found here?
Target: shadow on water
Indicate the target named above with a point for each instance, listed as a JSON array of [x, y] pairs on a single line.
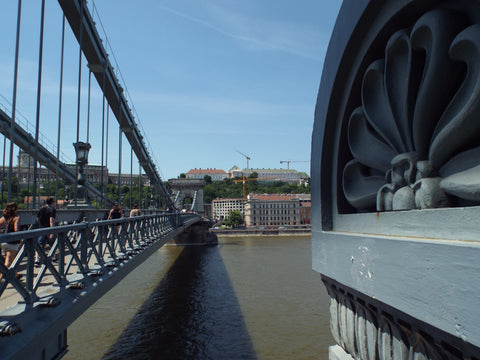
[[192, 314]]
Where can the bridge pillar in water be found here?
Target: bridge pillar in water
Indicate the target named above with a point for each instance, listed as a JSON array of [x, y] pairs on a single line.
[[396, 180], [197, 234], [187, 193]]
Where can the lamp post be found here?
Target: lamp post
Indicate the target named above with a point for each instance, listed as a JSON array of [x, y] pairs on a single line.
[[81, 200]]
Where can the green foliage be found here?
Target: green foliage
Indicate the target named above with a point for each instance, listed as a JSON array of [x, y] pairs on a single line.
[[208, 179], [182, 176], [48, 189], [229, 189], [234, 218]]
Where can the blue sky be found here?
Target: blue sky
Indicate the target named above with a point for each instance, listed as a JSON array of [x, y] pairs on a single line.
[[205, 78]]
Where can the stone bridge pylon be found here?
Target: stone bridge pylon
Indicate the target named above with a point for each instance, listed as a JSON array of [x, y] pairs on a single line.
[[188, 194]]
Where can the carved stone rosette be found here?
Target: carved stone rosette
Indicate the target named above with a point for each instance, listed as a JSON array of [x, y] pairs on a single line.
[[415, 138], [368, 330]]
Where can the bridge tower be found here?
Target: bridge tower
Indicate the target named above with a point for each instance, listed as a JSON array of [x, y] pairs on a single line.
[[396, 180], [188, 194]]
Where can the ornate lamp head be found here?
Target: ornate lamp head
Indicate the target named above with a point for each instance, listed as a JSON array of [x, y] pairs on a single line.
[[81, 150]]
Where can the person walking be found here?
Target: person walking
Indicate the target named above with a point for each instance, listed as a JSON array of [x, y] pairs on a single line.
[[115, 212], [135, 211], [46, 218], [10, 222]]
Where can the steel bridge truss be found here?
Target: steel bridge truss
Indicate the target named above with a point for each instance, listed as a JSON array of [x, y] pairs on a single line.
[[83, 27], [26, 142], [82, 262]]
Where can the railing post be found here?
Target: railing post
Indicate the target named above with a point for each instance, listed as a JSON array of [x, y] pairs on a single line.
[[30, 263], [84, 247], [61, 254]]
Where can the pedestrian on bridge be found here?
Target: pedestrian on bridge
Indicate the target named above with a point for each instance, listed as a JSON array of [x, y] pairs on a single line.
[[115, 213], [10, 222], [46, 218], [135, 211]]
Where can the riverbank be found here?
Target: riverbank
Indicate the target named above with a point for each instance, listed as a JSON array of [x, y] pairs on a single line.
[[261, 232]]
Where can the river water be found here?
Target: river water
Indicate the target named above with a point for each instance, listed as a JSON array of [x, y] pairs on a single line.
[[247, 298]]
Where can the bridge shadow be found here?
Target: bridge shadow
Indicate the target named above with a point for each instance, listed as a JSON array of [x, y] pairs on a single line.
[[192, 314]]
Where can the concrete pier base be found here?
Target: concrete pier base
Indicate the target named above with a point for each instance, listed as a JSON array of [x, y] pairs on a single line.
[[196, 234]]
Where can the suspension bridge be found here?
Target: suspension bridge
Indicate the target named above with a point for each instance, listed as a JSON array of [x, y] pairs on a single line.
[[87, 254]]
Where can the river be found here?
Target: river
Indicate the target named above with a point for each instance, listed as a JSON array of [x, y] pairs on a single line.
[[247, 298]]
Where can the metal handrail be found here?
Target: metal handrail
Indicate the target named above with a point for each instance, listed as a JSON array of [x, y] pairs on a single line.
[[88, 248]]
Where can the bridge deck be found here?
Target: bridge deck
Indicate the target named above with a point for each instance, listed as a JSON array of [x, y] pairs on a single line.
[[47, 287], [83, 262]]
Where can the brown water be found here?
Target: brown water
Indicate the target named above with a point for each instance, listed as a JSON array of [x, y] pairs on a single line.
[[247, 298]]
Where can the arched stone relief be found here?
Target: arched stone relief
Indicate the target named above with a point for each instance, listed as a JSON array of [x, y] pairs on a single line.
[[415, 139], [334, 315], [376, 335], [366, 333], [347, 325], [392, 342]]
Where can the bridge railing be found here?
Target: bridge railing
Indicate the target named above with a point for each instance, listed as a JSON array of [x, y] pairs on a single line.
[[79, 250]]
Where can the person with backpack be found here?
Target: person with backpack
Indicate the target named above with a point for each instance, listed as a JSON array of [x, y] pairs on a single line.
[[45, 218]]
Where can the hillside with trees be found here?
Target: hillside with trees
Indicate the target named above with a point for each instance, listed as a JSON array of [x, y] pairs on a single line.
[[228, 188]]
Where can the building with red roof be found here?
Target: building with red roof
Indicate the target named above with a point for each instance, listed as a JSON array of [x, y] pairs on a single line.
[[215, 174]]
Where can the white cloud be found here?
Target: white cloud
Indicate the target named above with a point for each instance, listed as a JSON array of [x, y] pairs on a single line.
[[260, 34]]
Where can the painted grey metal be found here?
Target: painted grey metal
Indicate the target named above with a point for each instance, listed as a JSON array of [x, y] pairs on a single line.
[[428, 280], [100, 253], [395, 179], [101, 67]]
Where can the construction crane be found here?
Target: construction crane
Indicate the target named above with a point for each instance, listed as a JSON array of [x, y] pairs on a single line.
[[246, 156], [243, 180], [291, 161]]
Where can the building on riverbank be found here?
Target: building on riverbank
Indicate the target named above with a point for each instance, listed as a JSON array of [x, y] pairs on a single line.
[[277, 209], [222, 207]]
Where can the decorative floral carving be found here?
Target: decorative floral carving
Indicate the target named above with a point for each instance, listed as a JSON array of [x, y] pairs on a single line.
[[415, 139]]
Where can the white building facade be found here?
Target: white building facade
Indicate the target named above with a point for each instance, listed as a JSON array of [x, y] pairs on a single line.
[[285, 175], [222, 207]]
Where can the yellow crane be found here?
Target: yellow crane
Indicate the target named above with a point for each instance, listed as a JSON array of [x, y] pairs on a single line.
[[246, 156], [244, 180], [291, 161]]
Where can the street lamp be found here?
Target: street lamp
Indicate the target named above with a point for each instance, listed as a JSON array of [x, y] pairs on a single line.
[[81, 200], [82, 149]]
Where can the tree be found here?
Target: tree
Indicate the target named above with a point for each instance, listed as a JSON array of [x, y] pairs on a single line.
[[234, 218], [228, 189], [182, 176], [208, 179]]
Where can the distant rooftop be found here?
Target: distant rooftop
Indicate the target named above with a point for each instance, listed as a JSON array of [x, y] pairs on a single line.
[[270, 170], [206, 171], [272, 197]]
